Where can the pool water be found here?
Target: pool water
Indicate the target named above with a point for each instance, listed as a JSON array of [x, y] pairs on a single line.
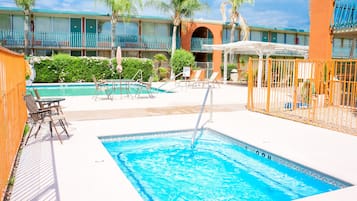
[[162, 166], [88, 89]]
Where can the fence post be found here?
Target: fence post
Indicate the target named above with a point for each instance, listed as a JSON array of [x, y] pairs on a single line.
[[296, 82], [267, 106], [250, 84]]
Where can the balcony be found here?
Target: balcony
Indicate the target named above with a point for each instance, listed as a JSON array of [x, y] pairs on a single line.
[[94, 41], [196, 44]]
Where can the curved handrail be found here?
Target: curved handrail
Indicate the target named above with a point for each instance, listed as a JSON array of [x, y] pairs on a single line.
[[209, 90]]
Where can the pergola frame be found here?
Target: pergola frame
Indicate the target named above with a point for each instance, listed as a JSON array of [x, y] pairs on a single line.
[[258, 48]]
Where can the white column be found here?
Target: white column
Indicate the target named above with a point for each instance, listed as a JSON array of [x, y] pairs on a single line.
[[266, 66], [225, 67], [260, 69]]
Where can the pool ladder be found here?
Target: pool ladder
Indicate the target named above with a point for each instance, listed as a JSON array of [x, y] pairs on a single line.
[[209, 91]]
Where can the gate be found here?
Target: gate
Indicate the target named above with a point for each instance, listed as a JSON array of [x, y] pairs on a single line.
[[322, 93]]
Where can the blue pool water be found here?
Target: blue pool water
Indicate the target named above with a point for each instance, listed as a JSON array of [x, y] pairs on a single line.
[[88, 89], [162, 166]]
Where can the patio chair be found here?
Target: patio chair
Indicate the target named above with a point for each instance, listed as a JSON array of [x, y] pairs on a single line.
[[145, 87], [101, 87], [52, 105], [38, 116], [38, 97]]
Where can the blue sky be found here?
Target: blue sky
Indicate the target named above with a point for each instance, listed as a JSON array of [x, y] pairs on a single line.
[[266, 13]]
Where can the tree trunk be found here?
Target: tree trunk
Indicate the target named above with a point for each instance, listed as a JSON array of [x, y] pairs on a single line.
[[173, 48], [231, 56], [26, 32], [113, 22], [173, 42]]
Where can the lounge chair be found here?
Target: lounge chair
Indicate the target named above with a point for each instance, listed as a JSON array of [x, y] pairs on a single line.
[[101, 87], [212, 79], [195, 81], [38, 116], [145, 88]]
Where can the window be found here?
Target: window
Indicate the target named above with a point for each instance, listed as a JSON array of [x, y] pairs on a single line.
[[347, 43], [43, 24], [227, 35], [281, 38], [153, 29], [18, 23], [61, 25], [301, 39], [337, 42], [256, 36], [5, 22], [290, 39], [127, 28]]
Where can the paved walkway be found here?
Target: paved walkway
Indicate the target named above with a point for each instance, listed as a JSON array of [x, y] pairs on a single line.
[[150, 111], [81, 169]]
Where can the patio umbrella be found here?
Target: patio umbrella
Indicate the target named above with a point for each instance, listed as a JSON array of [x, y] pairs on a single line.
[[119, 67]]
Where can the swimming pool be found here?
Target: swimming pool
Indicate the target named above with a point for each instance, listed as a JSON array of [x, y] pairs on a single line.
[[88, 89], [162, 166]]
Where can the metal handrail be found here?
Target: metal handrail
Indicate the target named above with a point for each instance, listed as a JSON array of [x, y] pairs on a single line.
[[209, 90]]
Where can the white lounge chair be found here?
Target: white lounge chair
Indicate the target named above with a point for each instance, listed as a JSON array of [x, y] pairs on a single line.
[[195, 81], [212, 79]]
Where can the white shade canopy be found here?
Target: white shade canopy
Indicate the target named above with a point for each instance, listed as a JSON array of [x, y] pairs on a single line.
[[261, 48], [258, 48]]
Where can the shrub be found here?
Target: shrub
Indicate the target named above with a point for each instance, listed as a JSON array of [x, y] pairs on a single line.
[[132, 65], [163, 73], [65, 68], [230, 67], [46, 71], [159, 58], [180, 59]]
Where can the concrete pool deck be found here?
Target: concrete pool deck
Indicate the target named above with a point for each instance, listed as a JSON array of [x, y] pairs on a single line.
[[81, 169]]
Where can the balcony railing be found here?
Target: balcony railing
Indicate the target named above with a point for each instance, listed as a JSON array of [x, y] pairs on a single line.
[[345, 15], [196, 43], [58, 40]]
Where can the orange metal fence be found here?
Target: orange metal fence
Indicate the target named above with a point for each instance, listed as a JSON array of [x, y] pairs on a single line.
[[322, 93], [13, 112]]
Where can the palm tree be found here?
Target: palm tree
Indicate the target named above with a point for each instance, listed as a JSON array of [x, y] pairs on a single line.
[[178, 9], [119, 7], [235, 17], [26, 5]]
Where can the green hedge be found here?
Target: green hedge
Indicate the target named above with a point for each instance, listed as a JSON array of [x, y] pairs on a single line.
[[65, 68]]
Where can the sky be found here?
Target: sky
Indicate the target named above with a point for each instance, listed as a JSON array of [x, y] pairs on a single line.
[[263, 13]]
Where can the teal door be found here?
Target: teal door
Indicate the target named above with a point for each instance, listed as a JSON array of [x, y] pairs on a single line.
[[265, 36], [76, 32], [274, 37], [91, 31]]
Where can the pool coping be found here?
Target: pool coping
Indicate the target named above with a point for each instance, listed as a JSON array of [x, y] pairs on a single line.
[[248, 147]]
